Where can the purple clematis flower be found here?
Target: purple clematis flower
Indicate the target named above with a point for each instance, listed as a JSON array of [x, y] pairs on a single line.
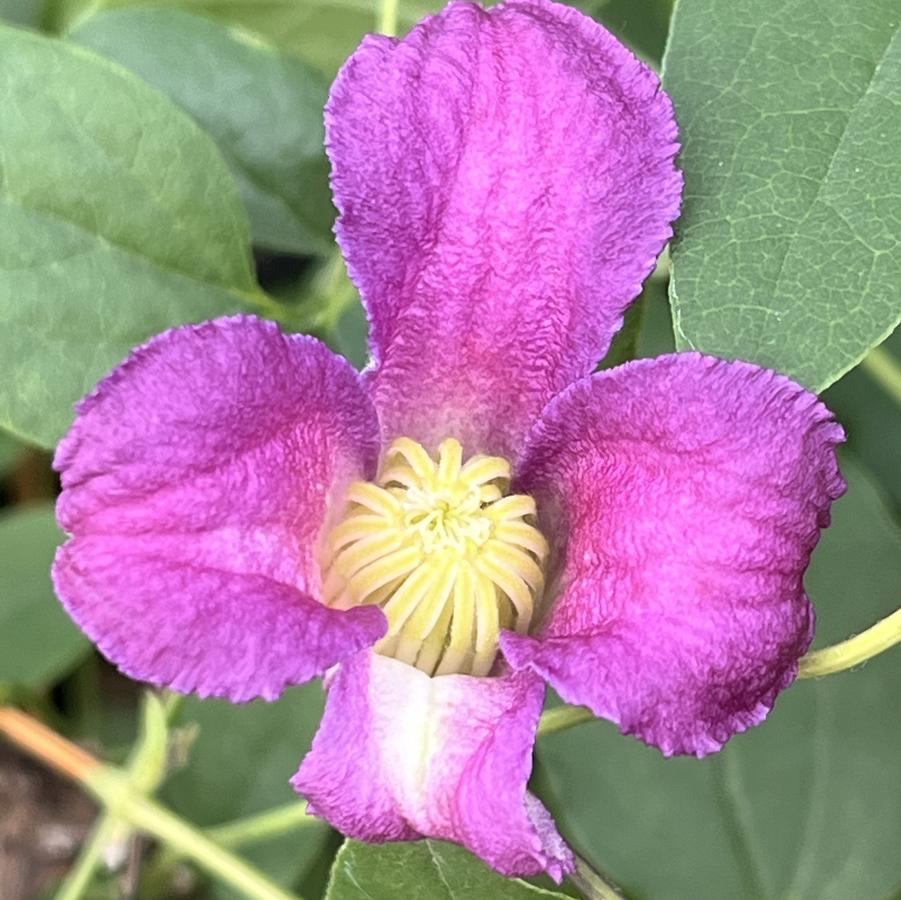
[[477, 514]]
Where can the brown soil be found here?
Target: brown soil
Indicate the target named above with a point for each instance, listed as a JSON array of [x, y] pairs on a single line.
[[43, 822]]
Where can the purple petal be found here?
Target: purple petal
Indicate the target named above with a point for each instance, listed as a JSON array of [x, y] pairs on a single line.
[[505, 181], [400, 756], [196, 480], [686, 494]]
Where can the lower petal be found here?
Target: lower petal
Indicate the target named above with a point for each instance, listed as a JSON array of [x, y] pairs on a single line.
[[689, 494], [401, 756]]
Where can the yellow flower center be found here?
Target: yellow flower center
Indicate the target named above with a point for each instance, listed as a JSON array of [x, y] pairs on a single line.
[[444, 551]]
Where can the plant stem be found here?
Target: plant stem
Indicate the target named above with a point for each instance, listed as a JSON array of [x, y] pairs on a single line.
[[592, 884], [562, 717], [158, 821], [388, 17], [845, 655], [875, 640], [81, 874], [146, 770], [268, 824], [114, 789], [250, 830], [885, 370], [44, 744]]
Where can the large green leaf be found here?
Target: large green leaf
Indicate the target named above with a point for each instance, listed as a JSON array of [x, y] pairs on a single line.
[[872, 418], [11, 451], [118, 219], [38, 641], [642, 24], [788, 252], [323, 32], [241, 764], [262, 107], [426, 870], [807, 806], [21, 12]]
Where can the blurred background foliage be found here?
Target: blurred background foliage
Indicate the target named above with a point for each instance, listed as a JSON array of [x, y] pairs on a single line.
[[805, 808]]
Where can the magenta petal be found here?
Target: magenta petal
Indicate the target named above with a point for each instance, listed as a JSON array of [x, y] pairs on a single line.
[[169, 621], [505, 180], [400, 756], [687, 494], [196, 480]]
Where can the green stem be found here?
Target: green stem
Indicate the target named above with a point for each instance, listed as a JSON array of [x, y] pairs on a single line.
[[116, 793], [120, 793], [81, 875], [562, 717], [268, 306], [268, 824], [388, 17], [145, 770], [880, 637], [592, 884], [172, 704], [852, 652], [885, 370], [250, 830]]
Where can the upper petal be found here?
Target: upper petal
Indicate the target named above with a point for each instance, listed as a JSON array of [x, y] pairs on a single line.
[[505, 180], [686, 494], [196, 480], [400, 755]]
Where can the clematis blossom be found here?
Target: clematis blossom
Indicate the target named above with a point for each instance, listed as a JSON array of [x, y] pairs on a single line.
[[477, 514]]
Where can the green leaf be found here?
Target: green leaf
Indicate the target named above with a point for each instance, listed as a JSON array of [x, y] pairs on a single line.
[[322, 32], [118, 219], [240, 765], [262, 107], [788, 252], [351, 335], [326, 32], [643, 323], [21, 12], [425, 870], [641, 24], [872, 419], [11, 451], [807, 806], [38, 641]]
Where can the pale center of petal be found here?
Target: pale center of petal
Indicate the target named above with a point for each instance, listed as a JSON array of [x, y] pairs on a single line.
[[448, 555]]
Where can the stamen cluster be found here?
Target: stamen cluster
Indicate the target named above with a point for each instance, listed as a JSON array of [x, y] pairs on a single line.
[[444, 551]]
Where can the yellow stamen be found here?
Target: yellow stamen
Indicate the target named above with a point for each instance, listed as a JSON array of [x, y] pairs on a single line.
[[482, 469], [516, 506], [449, 557], [366, 551], [374, 498], [460, 646], [355, 528], [487, 626], [518, 533], [386, 569], [404, 601]]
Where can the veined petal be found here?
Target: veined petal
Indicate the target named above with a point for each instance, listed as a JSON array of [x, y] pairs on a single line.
[[506, 181], [211, 630], [196, 480], [686, 494], [400, 756]]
